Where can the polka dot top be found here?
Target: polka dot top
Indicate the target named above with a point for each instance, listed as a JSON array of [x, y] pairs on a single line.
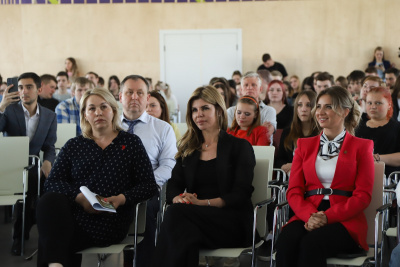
[[123, 167]]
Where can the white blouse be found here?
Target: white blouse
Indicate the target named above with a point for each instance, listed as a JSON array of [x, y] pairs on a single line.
[[325, 170]]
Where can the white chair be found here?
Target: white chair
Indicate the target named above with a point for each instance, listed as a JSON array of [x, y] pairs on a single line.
[[136, 228], [182, 127], [65, 131], [260, 198], [13, 175]]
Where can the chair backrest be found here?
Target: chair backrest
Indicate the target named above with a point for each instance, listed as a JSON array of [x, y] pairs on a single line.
[[65, 131], [262, 175], [14, 158], [376, 201], [141, 224], [182, 127]]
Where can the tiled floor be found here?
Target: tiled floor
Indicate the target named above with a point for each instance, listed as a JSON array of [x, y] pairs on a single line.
[[7, 260]]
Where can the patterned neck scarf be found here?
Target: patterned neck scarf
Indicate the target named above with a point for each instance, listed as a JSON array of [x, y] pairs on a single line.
[[328, 148]]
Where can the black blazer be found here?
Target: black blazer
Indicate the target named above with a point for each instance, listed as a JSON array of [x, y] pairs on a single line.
[[235, 167], [12, 123]]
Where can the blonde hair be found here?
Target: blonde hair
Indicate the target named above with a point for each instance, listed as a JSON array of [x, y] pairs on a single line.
[[341, 100], [86, 128], [193, 139]]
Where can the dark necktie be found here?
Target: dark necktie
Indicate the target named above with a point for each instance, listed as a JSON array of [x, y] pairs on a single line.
[[131, 124]]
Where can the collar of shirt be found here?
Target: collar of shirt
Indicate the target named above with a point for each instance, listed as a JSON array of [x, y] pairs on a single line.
[[262, 104], [26, 112], [75, 102], [143, 118]]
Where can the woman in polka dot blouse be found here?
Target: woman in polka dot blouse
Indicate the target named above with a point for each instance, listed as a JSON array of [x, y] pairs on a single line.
[[111, 163]]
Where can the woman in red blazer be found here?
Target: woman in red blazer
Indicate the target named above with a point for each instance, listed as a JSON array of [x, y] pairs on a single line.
[[330, 185]]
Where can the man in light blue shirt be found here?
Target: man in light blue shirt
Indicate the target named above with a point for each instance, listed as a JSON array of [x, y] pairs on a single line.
[[159, 140]]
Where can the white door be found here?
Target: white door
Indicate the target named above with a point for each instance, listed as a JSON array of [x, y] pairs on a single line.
[[190, 58]]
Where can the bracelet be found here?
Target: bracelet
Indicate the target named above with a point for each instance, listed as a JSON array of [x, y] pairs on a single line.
[[208, 201]]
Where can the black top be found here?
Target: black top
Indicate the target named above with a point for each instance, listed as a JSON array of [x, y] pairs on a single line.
[[285, 117], [277, 66], [284, 156], [206, 185], [50, 103], [386, 139], [123, 167]]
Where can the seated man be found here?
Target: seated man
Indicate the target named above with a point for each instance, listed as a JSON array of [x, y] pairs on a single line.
[[68, 110], [271, 65], [323, 80], [25, 117], [251, 85], [355, 82], [49, 85], [62, 83]]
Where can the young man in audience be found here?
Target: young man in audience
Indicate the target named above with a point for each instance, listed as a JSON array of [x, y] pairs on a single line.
[[62, 83], [371, 71], [160, 143], [92, 76], [391, 75], [266, 78], [68, 110], [251, 85], [100, 84], [21, 115], [323, 80], [271, 65], [49, 85], [355, 82]]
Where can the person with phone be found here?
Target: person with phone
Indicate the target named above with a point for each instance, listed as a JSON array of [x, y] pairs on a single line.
[[21, 115]]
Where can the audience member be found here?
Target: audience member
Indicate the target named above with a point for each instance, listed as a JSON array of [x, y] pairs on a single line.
[[379, 62], [93, 77], [308, 84], [165, 91], [314, 75], [72, 69], [276, 98], [113, 86], [159, 140], [157, 107], [25, 117], [101, 82], [328, 195], [222, 86], [396, 100], [288, 92], [266, 78], [391, 76], [150, 81], [68, 110], [271, 65], [251, 85], [341, 81], [367, 83], [276, 75], [323, 80], [381, 129], [236, 76], [295, 83], [247, 123], [48, 87], [355, 81], [303, 125], [110, 163], [232, 87], [62, 82], [371, 71], [219, 196]]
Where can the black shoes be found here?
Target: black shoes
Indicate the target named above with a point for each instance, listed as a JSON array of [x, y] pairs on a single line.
[[16, 247]]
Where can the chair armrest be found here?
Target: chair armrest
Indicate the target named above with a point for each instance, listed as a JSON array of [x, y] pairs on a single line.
[[27, 168], [391, 186], [281, 205], [264, 202], [383, 208]]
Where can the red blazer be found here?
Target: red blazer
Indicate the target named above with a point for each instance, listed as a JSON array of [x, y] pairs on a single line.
[[354, 172]]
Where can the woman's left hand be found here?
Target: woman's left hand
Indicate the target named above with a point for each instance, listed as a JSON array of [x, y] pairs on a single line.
[[190, 198], [116, 201], [316, 220]]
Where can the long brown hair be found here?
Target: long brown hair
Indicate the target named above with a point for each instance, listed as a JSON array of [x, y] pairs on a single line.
[[296, 130], [164, 107], [193, 139], [256, 122]]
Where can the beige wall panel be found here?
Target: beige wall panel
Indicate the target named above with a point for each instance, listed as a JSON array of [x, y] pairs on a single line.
[[333, 35]]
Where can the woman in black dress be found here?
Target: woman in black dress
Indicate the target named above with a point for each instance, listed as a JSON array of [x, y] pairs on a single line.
[[210, 188], [382, 128], [276, 98], [109, 162]]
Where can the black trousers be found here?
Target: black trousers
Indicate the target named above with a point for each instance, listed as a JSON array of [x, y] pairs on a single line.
[[298, 247], [187, 228], [59, 236], [30, 205]]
